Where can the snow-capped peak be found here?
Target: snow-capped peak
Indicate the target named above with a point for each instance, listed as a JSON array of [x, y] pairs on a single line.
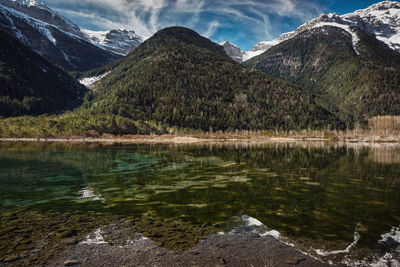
[[381, 19], [120, 41], [233, 51], [258, 49], [30, 3], [384, 5], [33, 4], [227, 43]]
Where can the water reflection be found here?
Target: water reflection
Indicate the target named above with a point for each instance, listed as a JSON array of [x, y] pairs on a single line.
[[315, 194]]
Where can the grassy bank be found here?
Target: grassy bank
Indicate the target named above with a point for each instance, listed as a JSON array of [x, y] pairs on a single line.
[[80, 126]]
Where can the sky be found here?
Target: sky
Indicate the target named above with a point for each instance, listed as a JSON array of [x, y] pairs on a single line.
[[243, 22]]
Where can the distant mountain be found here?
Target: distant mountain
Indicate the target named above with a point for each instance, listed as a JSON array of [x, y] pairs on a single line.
[[258, 49], [29, 84], [52, 35], [381, 20], [119, 41], [350, 62], [233, 51], [180, 78]]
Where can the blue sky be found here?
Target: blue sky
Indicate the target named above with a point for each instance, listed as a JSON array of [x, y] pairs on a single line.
[[243, 22]]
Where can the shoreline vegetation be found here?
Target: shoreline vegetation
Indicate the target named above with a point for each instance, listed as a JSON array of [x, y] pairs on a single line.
[[354, 136], [71, 127]]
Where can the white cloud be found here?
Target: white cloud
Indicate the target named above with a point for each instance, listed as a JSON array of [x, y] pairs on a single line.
[[133, 23], [212, 28], [153, 7]]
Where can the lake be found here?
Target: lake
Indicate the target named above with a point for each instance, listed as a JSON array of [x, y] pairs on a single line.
[[339, 203]]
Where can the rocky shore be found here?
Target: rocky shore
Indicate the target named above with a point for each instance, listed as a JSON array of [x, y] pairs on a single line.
[[245, 249]]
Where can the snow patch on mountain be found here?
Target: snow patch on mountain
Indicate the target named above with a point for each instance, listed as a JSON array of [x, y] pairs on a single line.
[[97, 37], [48, 34], [354, 36], [33, 3], [258, 49], [234, 52], [90, 81], [251, 54]]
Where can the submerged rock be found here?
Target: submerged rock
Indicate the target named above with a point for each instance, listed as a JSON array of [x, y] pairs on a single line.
[[294, 260], [71, 262]]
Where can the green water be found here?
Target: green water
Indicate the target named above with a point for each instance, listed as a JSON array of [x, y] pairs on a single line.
[[316, 196]]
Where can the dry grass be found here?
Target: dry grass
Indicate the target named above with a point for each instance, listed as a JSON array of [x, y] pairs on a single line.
[[385, 123], [380, 129]]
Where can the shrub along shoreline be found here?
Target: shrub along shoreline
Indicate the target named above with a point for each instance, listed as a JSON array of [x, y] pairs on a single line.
[[73, 126]]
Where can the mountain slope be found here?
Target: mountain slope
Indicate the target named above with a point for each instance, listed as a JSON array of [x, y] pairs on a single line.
[[52, 35], [351, 73], [29, 84], [182, 79]]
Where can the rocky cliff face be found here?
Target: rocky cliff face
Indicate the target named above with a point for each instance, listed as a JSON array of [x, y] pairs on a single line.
[[233, 51], [52, 35]]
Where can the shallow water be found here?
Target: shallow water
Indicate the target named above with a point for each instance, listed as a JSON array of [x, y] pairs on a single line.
[[339, 203]]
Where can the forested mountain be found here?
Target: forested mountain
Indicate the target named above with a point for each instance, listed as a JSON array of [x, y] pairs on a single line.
[[29, 84], [180, 78], [350, 72]]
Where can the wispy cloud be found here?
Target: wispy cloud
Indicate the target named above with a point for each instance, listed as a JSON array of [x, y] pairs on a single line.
[[212, 27], [259, 19]]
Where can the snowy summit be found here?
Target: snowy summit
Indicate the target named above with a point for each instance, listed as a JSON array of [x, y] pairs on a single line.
[[381, 19]]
